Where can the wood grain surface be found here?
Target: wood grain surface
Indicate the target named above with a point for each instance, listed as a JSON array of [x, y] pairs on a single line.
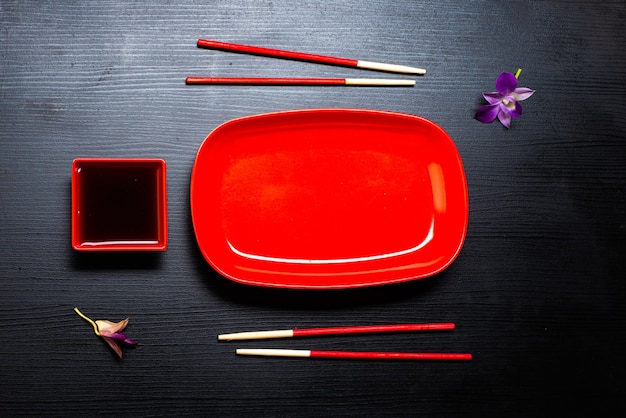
[[538, 292]]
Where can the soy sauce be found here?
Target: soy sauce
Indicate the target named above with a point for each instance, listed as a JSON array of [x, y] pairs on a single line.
[[119, 203]]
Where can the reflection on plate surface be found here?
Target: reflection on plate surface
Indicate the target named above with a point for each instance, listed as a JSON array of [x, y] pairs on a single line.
[[329, 198]]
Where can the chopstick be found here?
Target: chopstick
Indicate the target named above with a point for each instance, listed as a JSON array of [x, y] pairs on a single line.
[[302, 56], [368, 355], [309, 332], [274, 81], [371, 355]]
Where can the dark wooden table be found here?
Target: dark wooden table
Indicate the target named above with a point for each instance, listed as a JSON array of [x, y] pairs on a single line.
[[538, 292]]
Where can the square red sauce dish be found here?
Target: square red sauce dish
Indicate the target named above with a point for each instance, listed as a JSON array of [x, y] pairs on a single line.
[[119, 204]]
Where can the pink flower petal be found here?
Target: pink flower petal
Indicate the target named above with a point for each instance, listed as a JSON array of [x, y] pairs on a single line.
[[522, 93], [118, 336], [493, 98], [505, 119], [114, 345], [108, 327]]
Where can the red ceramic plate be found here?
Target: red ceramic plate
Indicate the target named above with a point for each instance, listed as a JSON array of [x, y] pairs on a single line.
[[329, 198]]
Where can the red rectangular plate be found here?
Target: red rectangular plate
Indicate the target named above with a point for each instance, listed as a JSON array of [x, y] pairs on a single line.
[[328, 198]]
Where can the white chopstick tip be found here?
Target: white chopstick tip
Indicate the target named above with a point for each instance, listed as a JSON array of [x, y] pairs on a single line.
[[394, 68], [389, 82], [256, 335], [271, 352]]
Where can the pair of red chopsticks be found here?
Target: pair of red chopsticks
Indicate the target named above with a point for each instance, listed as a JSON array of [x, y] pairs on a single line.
[[302, 56], [309, 332]]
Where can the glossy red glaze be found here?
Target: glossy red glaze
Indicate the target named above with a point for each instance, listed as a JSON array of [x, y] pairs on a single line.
[[368, 329], [277, 53], [329, 198], [377, 355], [119, 204], [267, 81]]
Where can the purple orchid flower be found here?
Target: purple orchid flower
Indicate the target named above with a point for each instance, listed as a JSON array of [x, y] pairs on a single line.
[[110, 332], [504, 103]]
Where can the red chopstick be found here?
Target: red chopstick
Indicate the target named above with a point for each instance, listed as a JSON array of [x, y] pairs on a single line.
[[309, 332], [302, 56], [367, 355], [273, 81]]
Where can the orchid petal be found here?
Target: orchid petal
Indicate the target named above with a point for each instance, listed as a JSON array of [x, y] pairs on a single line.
[[505, 119], [506, 83], [114, 345], [512, 108], [522, 93], [517, 112], [487, 114], [108, 327], [130, 342], [123, 338], [493, 98]]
